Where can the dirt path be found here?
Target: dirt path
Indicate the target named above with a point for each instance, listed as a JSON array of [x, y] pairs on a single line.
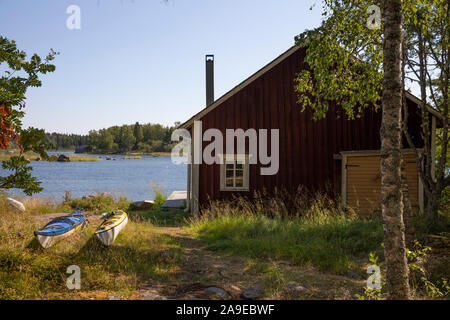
[[206, 274]]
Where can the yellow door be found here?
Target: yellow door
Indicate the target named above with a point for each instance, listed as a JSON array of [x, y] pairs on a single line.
[[363, 185]]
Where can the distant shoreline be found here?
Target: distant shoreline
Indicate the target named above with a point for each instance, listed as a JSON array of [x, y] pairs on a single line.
[[159, 154], [52, 158], [82, 157], [133, 153]]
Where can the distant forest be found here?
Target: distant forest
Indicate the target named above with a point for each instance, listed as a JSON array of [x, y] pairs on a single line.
[[143, 138]]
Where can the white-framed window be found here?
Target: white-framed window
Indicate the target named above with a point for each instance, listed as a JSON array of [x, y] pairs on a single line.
[[234, 172]]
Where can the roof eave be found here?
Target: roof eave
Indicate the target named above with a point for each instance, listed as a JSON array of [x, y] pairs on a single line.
[[188, 124], [239, 87]]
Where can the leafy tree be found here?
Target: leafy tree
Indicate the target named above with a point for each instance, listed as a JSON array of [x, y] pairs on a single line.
[[350, 61], [147, 138], [426, 63], [94, 138], [56, 141], [345, 60], [106, 140], [138, 134], [126, 138], [19, 74]]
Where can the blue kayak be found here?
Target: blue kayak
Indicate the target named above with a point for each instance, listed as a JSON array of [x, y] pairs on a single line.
[[60, 228]]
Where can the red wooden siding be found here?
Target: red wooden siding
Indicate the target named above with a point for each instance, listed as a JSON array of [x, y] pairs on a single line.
[[306, 146]]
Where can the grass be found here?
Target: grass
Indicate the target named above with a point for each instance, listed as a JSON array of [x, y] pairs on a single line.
[[94, 205], [335, 244], [305, 230], [32, 157], [28, 155], [310, 231], [158, 217], [29, 272], [162, 154], [76, 158]]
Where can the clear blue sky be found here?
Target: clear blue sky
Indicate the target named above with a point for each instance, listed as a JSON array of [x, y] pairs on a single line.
[[143, 60]]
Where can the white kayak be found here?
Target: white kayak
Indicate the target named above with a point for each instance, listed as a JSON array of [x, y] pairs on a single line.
[[114, 222], [16, 205]]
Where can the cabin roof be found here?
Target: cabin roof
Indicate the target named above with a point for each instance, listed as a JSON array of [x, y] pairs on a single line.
[[256, 75]]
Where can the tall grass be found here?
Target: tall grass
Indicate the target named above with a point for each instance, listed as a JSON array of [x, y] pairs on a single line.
[[95, 204], [304, 229]]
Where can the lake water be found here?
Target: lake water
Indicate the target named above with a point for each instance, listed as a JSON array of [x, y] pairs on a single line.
[[125, 177]]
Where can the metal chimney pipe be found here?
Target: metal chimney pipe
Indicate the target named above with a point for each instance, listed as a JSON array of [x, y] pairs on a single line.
[[209, 79]]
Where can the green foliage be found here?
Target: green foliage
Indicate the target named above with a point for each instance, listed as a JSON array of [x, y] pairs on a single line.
[[418, 252], [97, 204], [126, 139], [433, 291], [58, 141], [31, 139], [142, 138], [21, 178], [417, 257], [344, 60], [159, 217], [427, 49], [445, 200], [160, 196], [19, 74], [138, 133]]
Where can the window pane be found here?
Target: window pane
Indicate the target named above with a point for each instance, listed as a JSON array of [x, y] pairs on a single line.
[[239, 173], [230, 166], [229, 173], [229, 182], [239, 166], [239, 182]]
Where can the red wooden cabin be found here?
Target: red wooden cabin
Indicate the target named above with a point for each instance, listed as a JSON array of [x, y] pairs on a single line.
[[333, 151]]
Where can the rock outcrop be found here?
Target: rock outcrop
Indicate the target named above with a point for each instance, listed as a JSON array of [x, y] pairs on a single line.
[[63, 158], [142, 205]]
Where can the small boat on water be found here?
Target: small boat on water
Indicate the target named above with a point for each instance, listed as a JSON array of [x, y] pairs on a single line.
[[60, 228], [114, 222]]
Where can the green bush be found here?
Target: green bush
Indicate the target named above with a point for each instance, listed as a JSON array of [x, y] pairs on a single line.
[[160, 197], [97, 204]]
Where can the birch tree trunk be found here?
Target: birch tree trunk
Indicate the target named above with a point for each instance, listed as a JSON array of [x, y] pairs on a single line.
[[391, 194]]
